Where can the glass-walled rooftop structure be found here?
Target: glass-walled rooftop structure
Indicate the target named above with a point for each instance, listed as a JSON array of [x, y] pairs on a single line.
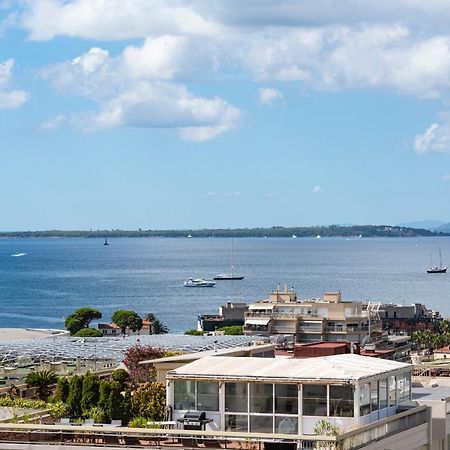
[[288, 396]]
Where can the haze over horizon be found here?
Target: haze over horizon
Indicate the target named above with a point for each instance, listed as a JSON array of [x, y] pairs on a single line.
[[189, 114]]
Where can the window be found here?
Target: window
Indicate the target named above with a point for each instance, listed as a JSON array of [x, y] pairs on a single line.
[[286, 425], [261, 398], [374, 395], [184, 394], [286, 399], [207, 396], [261, 424], [364, 399], [234, 422], [403, 386], [383, 393], [236, 397], [314, 400], [392, 391], [341, 401]]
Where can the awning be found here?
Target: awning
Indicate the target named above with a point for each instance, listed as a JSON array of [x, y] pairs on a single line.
[[257, 321]]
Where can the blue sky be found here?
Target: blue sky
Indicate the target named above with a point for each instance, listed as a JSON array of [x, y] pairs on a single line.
[[191, 114]]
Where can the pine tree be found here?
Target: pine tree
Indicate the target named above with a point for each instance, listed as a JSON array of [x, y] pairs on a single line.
[[62, 390]]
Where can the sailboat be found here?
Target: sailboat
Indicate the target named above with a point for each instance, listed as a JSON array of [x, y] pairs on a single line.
[[436, 269], [106, 242], [229, 276]]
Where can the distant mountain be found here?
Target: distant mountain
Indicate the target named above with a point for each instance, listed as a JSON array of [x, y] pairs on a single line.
[[443, 228], [432, 225]]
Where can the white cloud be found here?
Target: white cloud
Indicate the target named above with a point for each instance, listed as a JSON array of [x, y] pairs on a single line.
[[317, 189], [435, 139], [224, 194], [267, 96], [10, 98], [53, 123], [446, 177], [128, 96]]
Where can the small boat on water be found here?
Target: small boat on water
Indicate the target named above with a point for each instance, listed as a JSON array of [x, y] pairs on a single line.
[[198, 282], [437, 269], [228, 276], [106, 242]]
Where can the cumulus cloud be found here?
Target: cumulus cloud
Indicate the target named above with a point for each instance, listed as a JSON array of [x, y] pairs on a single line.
[[267, 96], [53, 123], [435, 139], [10, 98], [317, 189], [127, 95]]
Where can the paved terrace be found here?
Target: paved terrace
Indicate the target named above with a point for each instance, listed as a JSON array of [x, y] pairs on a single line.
[[64, 348]]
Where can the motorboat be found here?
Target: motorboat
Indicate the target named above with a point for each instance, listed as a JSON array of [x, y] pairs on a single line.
[[198, 282], [228, 276]]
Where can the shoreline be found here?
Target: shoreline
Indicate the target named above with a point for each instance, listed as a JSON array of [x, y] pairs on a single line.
[[19, 334]]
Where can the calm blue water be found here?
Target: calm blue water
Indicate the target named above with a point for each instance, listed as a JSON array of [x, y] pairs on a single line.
[[59, 275]]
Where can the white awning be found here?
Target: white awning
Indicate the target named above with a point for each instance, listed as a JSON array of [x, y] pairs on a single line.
[[257, 321]]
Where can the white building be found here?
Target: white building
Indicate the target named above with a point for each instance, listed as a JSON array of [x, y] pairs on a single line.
[[286, 396]]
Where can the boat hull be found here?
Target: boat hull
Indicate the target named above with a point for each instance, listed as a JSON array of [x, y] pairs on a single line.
[[222, 278], [443, 270]]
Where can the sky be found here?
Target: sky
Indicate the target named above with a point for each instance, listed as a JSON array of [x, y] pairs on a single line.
[[161, 114]]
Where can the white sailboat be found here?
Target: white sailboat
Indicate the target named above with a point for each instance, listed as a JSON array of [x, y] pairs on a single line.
[[229, 276]]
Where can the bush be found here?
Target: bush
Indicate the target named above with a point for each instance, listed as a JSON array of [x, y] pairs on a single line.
[[62, 390], [138, 422], [88, 332], [233, 330], [96, 414], [194, 332], [75, 396], [149, 400], [134, 355], [121, 376], [90, 391]]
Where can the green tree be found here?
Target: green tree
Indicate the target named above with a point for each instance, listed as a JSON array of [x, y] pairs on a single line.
[[127, 319], [88, 332], [149, 400], [90, 392], [157, 327], [42, 380], [115, 402], [74, 397], [80, 319], [62, 390], [150, 317], [104, 391], [121, 376]]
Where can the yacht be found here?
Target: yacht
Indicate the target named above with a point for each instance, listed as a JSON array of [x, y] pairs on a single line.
[[437, 269], [198, 282], [231, 275]]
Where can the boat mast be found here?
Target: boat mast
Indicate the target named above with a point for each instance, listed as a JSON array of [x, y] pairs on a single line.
[[232, 242], [440, 259]]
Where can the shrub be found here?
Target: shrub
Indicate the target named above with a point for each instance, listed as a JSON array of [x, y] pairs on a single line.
[[134, 355], [42, 380], [149, 400], [138, 422], [233, 330], [88, 332], [121, 376], [62, 390], [90, 391], [74, 397], [194, 332]]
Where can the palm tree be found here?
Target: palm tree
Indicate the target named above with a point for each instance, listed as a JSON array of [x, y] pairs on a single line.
[[42, 380], [150, 317], [159, 328]]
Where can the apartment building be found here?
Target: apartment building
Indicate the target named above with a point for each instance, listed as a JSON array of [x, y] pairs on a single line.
[[312, 320]]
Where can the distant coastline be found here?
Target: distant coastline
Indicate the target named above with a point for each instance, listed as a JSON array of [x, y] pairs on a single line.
[[355, 231]]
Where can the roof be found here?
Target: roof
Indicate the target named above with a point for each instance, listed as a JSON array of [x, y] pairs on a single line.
[[422, 394], [337, 368], [445, 349]]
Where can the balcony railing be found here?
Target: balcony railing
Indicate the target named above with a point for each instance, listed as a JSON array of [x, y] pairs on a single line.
[[174, 438]]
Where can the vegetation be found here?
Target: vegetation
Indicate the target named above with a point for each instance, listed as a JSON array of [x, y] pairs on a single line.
[[134, 355], [149, 401], [90, 391], [121, 376], [233, 330], [75, 396], [276, 231], [42, 380], [325, 428], [127, 319], [157, 327], [431, 340], [80, 319], [88, 332], [194, 332]]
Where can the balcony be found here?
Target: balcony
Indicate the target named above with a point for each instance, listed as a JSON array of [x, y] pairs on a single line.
[[415, 422]]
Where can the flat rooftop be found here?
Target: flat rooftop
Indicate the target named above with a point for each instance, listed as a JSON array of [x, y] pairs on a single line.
[[430, 393], [337, 368]]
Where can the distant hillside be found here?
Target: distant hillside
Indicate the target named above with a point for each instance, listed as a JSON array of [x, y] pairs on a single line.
[[431, 225], [443, 228], [323, 231]]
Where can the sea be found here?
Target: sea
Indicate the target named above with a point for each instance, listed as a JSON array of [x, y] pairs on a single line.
[[44, 280]]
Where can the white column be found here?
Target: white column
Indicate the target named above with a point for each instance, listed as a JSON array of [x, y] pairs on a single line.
[[169, 393], [222, 405], [300, 409]]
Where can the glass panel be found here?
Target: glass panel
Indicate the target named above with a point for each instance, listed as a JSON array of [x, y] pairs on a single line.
[[392, 391], [364, 399], [236, 397], [374, 395], [314, 400], [261, 424], [383, 392], [236, 423], [286, 398], [286, 425], [207, 396], [184, 394], [341, 401], [261, 398]]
